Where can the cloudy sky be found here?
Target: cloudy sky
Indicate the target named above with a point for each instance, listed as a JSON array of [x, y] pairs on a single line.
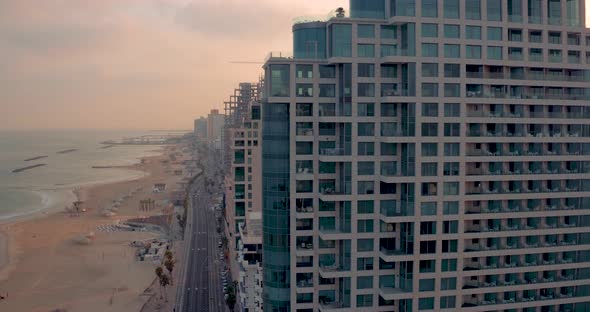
[[134, 63]]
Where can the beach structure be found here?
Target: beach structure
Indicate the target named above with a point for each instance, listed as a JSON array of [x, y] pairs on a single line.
[[429, 156], [147, 204], [159, 187]]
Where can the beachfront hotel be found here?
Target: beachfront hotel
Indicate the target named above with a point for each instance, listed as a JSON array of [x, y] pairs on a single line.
[[429, 155], [243, 192]]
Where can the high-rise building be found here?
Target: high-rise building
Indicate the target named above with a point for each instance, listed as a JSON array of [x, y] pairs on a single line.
[[243, 192], [200, 129], [429, 155], [215, 122]]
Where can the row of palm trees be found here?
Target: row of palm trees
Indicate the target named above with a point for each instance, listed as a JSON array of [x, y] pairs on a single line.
[[165, 279]]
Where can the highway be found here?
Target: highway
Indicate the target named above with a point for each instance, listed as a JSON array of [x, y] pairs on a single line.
[[202, 290]]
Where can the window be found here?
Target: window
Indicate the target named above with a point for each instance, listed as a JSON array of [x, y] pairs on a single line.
[[494, 53], [452, 51], [327, 90], [535, 11], [448, 265], [365, 206], [365, 226], [451, 169], [429, 89], [536, 36], [473, 32], [428, 208], [366, 148], [388, 32], [450, 208], [366, 70], [452, 110], [425, 304], [388, 71], [364, 245], [341, 40], [452, 31], [304, 71], [473, 51], [366, 31], [426, 284], [515, 10], [447, 302], [449, 246], [450, 227], [452, 90], [366, 89], [430, 50], [364, 300], [451, 149], [494, 10], [451, 188], [429, 129], [452, 129], [429, 149], [451, 8], [388, 50], [366, 50], [388, 149], [429, 30], [364, 264], [364, 282], [304, 148], [473, 9], [366, 109], [495, 33], [429, 70], [429, 169], [452, 70], [427, 247], [554, 37], [366, 168], [304, 109], [366, 129], [304, 89], [448, 283], [430, 109], [427, 266], [327, 71], [428, 228], [429, 8], [429, 189], [279, 82]]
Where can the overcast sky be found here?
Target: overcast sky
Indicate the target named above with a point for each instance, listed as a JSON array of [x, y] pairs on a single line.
[[134, 63]]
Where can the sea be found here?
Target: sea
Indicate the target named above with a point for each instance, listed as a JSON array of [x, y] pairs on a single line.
[[51, 186]]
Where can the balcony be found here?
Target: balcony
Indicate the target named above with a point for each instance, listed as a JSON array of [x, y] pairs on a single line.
[[333, 152]]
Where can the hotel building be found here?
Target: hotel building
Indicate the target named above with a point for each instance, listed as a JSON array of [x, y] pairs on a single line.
[[429, 155]]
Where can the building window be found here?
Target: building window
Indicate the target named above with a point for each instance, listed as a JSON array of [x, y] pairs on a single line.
[[452, 110], [429, 70], [451, 169], [451, 188], [429, 89], [536, 36], [366, 70], [366, 168], [430, 50], [365, 226], [429, 169], [429, 129], [494, 33], [451, 8], [279, 81], [364, 300], [447, 302], [494, 53], [429, 8], [452, 129], [425, 304], [327, 71], [365, 206], [450, 227], [304, 89], [473, 32], [452, 31], [448, 265], [388, 71], [452, 70], [473, 51], [430, 30], [366, 89], [341, 40], [304, 71], [450, 208], [494, 10], [364, 282], [366, 50], [364, 264], [366, 31], [366, 109], [515, 10], [366, 129], [388, 149], [473, 9], [327, 90], [429, 149], [426, 284], [427, 247], [430, 109], [388, 32], [366, 148], [428, 208], [452, 90], [364, 245], [452, 51]]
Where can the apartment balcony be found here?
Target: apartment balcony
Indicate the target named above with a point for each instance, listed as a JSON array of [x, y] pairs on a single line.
[[395, 293], [333, 233], [520, 245], [333, 271], [334, 306], [550, 115], [520, 265], [391, 255]]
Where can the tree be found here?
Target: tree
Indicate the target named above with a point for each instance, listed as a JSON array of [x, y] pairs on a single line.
[[159, 274], [169, 264], [231, 295], [164, 281], [168, 255]]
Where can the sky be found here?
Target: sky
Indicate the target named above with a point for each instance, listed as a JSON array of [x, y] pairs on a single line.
[[144, 64]]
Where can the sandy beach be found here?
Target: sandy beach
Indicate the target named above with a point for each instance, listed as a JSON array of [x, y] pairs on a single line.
[[44, 267]]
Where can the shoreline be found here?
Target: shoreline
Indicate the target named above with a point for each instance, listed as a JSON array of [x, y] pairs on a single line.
[[38, 248]]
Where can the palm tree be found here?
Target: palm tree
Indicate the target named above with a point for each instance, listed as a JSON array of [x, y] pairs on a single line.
[[159, 274], [169, 264], [165, 281]]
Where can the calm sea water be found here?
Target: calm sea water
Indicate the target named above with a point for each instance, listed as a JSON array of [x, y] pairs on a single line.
[[51, 186]]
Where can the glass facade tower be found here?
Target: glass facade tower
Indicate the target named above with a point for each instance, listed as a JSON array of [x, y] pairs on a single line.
[[430, 156]]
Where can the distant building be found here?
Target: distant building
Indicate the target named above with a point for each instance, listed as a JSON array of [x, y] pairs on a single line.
[[249, 263], [201, 128], [215, 122]]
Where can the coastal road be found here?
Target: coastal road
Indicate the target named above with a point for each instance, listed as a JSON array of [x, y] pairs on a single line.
[[202, 290]]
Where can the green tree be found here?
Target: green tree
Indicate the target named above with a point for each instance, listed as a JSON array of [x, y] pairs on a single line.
[[165, 281], [169, 264]]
